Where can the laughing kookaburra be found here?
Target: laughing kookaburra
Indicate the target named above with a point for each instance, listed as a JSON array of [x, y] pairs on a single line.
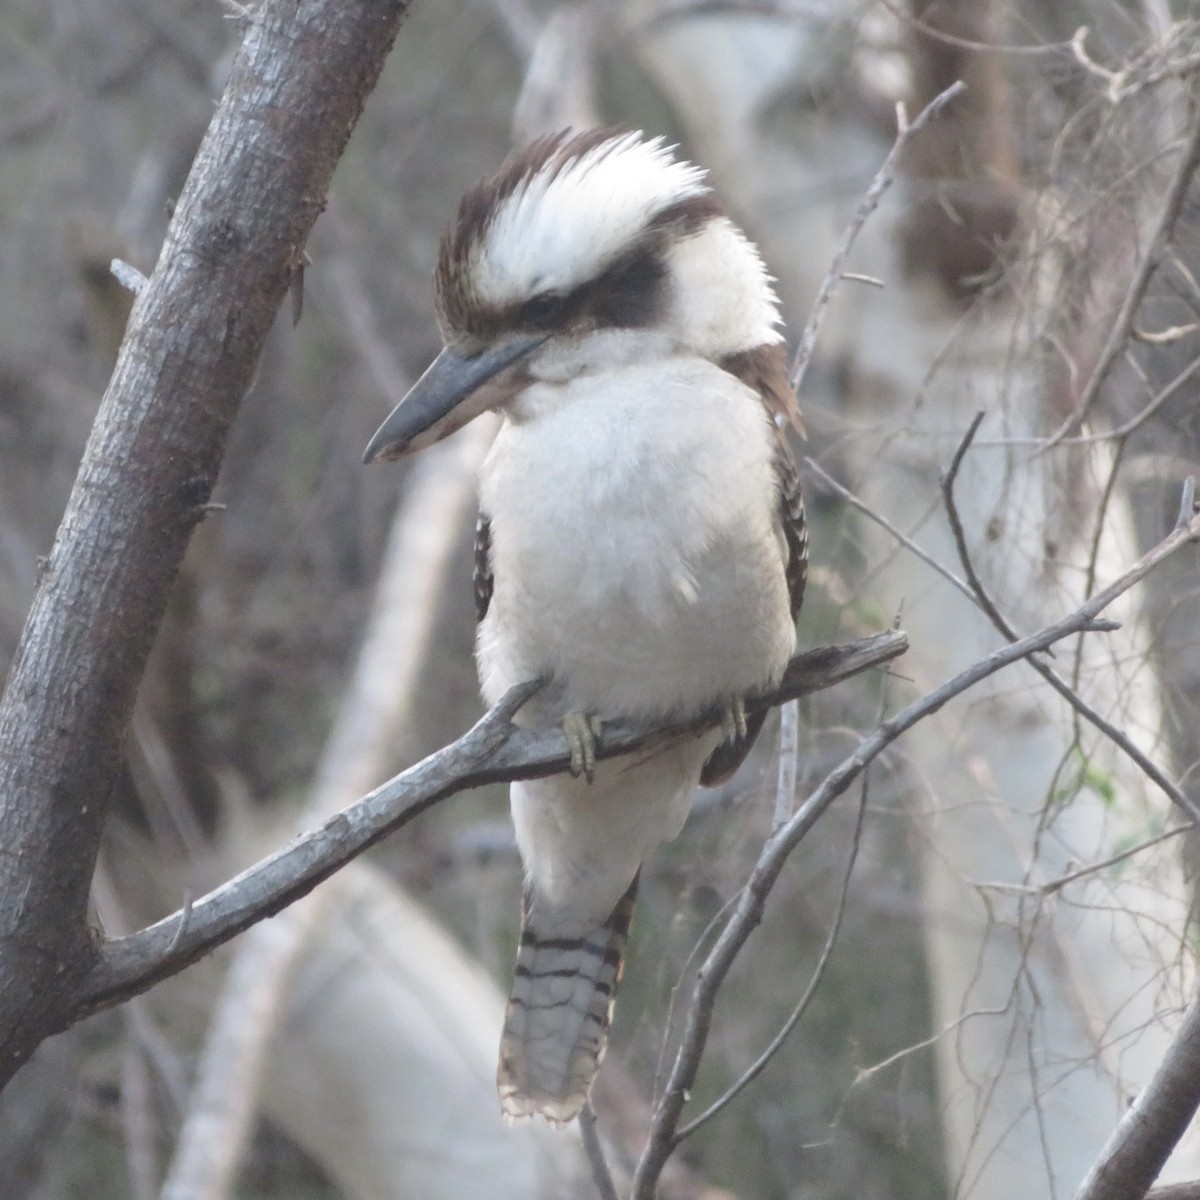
[[641, 542]]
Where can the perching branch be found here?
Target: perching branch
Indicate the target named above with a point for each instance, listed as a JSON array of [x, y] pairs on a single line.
[[751, 904], [1175, 1191], [493, 751], [601, 1175]]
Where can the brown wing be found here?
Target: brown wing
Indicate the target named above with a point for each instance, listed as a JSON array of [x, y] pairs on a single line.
[[764, 372], [793, 525], [483, 566]]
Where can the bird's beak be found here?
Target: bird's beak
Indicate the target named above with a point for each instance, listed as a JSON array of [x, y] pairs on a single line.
[[446, 397]]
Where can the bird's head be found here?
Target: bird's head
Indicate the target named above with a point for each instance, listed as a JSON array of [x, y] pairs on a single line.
[[584, 250]]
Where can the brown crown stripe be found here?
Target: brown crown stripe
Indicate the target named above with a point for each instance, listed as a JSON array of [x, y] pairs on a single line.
[[688, 215], [626, 295], [480, 204]]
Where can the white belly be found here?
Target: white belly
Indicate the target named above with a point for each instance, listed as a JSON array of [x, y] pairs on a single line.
[[634, 545]]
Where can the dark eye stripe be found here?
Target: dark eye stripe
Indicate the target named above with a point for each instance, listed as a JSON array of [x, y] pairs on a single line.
[[629, 295], [544, 311]]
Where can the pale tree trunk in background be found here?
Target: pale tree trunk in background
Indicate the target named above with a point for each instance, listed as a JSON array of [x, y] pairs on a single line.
[[1035, 1081], [384, 1061], [369, 1034], [1074, 993]]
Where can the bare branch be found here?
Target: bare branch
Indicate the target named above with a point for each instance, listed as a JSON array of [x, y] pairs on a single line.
[[979, 592], [973, 589], [1175, 1191], [1153, 1123], [375, 715], [752, 901], [1122, 326], [493, 751], [948, 39], [866, 206], [844, 493], [1118, 737], [789, 761], [601, 1175], [1093, 868], [759, 1065]]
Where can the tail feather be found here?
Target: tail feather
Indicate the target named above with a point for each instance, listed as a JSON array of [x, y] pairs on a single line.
[[556, 1026]]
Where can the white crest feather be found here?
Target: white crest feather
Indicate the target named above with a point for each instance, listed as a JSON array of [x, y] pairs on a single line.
[[567, 223]]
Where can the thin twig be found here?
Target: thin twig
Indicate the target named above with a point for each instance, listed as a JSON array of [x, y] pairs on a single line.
[[759, 1065], [129, 277], [601, 1175], [1117, 736], [978, 595], [948, 39], [1093, 868], [789, 761], [843, 493], [983, 600], [751, 904], [1122, 326], [1187, 503], [866, 206]]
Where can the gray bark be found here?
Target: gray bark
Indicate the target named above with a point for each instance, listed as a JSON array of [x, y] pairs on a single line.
[[190, 351]]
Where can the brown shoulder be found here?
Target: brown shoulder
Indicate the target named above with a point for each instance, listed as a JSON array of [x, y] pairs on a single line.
[[764, 370]]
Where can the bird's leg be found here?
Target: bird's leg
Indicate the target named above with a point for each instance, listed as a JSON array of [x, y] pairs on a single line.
[[581, 730], [733, 718]]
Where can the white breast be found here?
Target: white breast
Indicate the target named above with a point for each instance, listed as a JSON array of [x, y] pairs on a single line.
[[634, 545]]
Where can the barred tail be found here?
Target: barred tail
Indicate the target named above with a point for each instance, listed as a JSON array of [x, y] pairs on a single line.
[[556, 1026]]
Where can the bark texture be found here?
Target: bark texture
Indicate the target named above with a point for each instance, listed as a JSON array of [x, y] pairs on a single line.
[[194, 338]]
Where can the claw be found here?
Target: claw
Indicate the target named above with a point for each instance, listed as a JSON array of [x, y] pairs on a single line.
[[733, 719], [581, 730]]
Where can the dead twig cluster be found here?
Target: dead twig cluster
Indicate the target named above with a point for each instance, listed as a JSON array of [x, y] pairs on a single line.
[[665, 1133]]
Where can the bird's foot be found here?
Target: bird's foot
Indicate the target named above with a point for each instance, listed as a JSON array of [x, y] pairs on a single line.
[[581, 730], [733, 718]]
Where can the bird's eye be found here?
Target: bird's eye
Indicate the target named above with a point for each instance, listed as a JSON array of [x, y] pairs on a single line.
[[542, 311]]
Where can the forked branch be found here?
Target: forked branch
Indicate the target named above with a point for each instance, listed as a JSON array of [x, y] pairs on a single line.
[[748, 913]]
